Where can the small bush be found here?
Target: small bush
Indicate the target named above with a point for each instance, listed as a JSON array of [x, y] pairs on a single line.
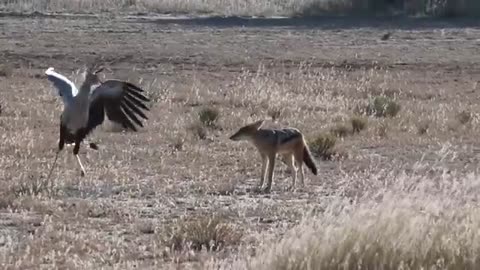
[[318, 8], [275, 113], [146, 227], [322, 146], [209, 116], [386, 36], [422, 127], [198, 131], [358, 124], [406, 233], [6, 70], [382, 106], [7, 199], [33, 186], [382, 130], [210, 233], [341, 130], [179, 143], [464, 117]]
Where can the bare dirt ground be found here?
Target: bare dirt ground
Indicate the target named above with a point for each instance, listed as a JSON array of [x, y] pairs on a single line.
[[140, 186]]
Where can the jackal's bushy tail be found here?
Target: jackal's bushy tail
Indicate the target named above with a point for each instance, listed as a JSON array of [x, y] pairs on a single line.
[[308, 159]]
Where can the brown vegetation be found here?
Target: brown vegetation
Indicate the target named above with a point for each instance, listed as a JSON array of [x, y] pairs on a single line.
[[171, 195], [444, 8]]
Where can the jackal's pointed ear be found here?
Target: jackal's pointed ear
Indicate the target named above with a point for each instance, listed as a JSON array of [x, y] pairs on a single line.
[[258, 124]]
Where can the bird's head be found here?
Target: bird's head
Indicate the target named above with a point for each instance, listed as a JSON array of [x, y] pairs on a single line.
[[91, 75]]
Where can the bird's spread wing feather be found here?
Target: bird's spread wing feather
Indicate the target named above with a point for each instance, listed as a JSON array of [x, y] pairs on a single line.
[[121, 101], [66, 89]]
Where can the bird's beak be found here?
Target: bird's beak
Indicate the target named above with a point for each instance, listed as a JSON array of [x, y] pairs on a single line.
[[98, 70]]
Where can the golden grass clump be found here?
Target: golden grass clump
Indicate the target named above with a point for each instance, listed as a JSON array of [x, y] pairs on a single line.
[[33, 187], [445, 8], [409, 228], [381, 106], [199, 131], [464, 117], [341, 130], [6, 70], [209, 116], [422, 127], [322, 145], [355, 125], [210, 233], [358, 123]]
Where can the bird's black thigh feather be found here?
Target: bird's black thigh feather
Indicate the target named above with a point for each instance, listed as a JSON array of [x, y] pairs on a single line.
[[79, 136], [61, 142]]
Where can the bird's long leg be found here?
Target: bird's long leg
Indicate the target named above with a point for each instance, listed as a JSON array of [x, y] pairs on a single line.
[[81, 166], [53, 166], [293, 170], [61, 144], [78, 139]]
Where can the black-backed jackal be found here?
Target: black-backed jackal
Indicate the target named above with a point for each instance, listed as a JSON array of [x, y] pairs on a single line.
[[288, 142]]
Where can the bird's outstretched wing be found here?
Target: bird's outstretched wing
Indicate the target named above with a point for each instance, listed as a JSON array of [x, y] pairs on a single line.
[[122, 102], [66, 89]]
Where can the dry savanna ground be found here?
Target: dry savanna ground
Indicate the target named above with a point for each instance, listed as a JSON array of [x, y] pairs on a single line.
[[393, 125]]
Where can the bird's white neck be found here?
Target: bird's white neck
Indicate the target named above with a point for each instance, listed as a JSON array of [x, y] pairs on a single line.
[[85, 89]]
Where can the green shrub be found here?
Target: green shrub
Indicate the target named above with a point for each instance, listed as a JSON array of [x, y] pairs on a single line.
[[382, 106], [322, 145], [341, 130], [209, 116], [358, 123], [464, 117]]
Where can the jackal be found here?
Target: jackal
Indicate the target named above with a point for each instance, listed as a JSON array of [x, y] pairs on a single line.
[[288, 142]]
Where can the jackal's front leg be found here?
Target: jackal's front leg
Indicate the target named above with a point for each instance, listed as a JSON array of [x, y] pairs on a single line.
[[299, 161], [270, 167], [264, 167]]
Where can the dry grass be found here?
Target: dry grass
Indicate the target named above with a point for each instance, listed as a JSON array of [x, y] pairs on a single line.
[[381, 106], [358, 123], [209, 233], [322, 145], [209, 116], [236, 7], [6, 70], [447, 8], [464, 117], [396, 196], [353, 126], [341, 130], [408, 226]]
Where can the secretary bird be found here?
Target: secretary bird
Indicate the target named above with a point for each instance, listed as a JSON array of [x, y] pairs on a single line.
[[84, 109]]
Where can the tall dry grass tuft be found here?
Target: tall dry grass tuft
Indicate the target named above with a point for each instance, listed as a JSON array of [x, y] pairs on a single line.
[[220, 7], [323, 145], [431, 224], [209, 116], [210, 233]]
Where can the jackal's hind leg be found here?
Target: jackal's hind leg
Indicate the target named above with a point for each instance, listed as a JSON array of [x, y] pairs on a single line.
[[289, 159], [299, 161]]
